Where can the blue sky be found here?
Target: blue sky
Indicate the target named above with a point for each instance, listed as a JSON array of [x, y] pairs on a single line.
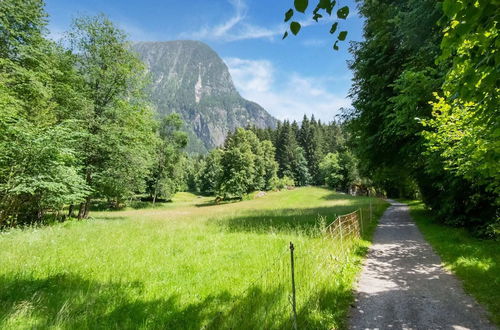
[[287, 77]]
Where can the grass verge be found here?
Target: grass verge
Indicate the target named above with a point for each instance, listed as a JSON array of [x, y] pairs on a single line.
[[475, 261]]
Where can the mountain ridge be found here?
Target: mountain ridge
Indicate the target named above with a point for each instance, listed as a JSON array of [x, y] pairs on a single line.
[[189, 77]]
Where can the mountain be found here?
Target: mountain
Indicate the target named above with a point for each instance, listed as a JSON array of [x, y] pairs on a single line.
[[191, 79]]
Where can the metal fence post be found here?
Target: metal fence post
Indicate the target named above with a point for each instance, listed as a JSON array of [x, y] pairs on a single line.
[[294, 306]]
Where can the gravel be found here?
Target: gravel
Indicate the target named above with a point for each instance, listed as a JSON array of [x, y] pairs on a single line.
[[404, 286]]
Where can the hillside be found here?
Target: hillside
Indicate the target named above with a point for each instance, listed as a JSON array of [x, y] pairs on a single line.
[[191, 79]]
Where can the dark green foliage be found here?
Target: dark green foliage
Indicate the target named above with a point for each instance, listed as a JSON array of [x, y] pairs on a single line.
[[330, 170], [310, 138], [290, 156], [74, 123], [397, 69], [117, 152], [348, 170], [464, 129], [39, 165], [167, 173], [300, 149], [247, 165], [210, 173]]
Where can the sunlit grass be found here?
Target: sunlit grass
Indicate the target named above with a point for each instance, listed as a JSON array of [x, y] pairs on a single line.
[[186, 264], [475, 261]]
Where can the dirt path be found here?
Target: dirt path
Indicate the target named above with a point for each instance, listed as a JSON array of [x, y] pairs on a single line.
[[403, 285]]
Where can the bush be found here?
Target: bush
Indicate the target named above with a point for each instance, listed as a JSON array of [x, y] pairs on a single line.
[[285, 183]]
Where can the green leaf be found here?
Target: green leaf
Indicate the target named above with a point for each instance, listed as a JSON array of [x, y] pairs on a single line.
[[330, 7], [301, 5], [317, 16], [288, 14], [295, 27], [451, 7], [335, 45], [285, 35], [343, 12], [334, 27], [324, 4], [342, 35]]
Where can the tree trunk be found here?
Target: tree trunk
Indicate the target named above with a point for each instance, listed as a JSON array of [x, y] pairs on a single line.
[[70, 211], [81, 211], [155, 194], [87, 207]]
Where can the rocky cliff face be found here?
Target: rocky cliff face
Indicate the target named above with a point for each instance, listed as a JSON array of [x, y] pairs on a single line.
[[191, 79]]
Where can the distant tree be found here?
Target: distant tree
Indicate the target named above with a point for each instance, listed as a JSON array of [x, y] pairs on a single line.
[[211, 172], [290, 155], [299, 167], [238, 166], [167, 174], [331, 170], [310, 139], [269, 164], [194, 164], [348, 170], [247, 164]]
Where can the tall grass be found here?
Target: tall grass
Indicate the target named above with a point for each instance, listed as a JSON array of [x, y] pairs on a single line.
[[185, 265]]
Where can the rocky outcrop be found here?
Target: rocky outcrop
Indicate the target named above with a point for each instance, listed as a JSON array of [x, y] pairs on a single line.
[[189, 78]]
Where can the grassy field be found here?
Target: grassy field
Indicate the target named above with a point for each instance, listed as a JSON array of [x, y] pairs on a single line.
[[187, 264], [475, 261]]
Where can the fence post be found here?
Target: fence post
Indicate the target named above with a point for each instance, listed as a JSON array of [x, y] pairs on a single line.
[[294, 306], [341, 238], [361, 221], [370, 207]]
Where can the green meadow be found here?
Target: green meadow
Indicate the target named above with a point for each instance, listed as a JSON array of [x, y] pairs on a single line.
[[188, 264]]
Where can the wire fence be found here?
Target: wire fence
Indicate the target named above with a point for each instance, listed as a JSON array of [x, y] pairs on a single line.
[[302, 285]]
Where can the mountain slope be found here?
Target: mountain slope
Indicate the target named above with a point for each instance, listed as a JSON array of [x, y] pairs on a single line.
[[191, 79]]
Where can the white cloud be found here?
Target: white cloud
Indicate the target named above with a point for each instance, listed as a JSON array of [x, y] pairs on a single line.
[[314, 42], [289, 98], [251, 75], [237, 27]]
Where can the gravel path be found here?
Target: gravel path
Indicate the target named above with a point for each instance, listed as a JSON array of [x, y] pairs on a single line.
[[403, 285]]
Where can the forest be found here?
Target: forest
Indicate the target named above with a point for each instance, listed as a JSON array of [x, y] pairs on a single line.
[[425, 109], [77, 126]]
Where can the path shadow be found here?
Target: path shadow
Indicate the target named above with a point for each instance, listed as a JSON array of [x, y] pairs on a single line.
[[405, 285]]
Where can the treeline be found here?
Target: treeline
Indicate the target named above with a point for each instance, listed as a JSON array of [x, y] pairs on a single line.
[[289, 155], [76, 128], [75, 123], [426, 110]]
